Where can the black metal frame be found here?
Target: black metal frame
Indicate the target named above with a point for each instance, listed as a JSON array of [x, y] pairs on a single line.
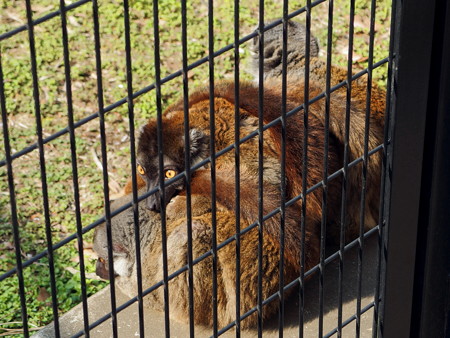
[[412, 236], [416, 288], [431, 302]]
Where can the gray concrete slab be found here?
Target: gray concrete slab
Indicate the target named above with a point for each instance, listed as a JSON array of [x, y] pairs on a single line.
[[99, 305]]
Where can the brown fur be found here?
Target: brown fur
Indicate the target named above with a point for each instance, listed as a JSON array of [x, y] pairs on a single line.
[[295, 67], [294, 143], [176, 229], [224, 93], [224, 118], [224, 102], [317, 77]]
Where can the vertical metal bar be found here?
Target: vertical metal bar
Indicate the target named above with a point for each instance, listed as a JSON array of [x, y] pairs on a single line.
[[323, 226], [364, 169], [37, 109], [410, 95], [13, 204], [237, 172], [212, 151], [260, 165], [345, 166], [73, 151], [187, 161], [283, 168], [101, 115], [384, 199], [137, 237], [304, 168], [160, 164]]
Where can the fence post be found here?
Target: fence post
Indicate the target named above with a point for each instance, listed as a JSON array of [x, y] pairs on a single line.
[[416, 299], [431, 298], [409, 96]]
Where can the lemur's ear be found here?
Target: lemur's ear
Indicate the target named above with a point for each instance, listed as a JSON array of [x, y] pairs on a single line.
[[199, 145]]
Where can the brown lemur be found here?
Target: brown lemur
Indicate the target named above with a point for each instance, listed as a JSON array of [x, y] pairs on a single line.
[[199, 134], [124, 256], [296, 50]]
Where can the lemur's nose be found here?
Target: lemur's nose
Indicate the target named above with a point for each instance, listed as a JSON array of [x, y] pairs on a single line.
[[152, 204]]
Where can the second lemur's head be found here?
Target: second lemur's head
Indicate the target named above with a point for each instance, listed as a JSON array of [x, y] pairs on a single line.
[[173, 139], [273, 49]]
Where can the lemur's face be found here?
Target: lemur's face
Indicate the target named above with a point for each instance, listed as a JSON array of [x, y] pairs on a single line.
[[123, 240], [120, 251], [173, 159], [124, 267]]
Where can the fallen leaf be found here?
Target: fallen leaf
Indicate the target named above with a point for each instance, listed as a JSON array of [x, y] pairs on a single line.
[[73, 271], [43, 294]]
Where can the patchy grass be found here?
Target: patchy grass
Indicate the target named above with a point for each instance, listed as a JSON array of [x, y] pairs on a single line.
[[20, 107]]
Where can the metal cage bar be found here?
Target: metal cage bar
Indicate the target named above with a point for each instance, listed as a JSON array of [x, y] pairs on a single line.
[[153, 86], [304, 169], [283, 168], [187, 160], [260, 164], [345, 165], [42, 19], [384, 198], [161, 182], [137, 238], [364, 168], [323, 227], [237, 171], [73, 150], [101, 117], [39, 132], [262, 126], [13, 204], [202, 163], [212, 150]]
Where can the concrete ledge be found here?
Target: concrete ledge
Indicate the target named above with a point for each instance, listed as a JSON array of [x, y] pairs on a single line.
[[128, 322]]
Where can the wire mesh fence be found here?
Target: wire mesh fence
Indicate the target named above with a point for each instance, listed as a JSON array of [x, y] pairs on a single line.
[[237, 195]]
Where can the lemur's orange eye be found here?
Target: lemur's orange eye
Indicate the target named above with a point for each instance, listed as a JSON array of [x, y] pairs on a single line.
[[170, 173], [140, 169]]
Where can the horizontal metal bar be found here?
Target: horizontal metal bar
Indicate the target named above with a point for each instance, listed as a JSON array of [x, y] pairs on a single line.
[[54, 14], [335, 174], [166, 79], [297, 280], [350, 319], [201, 258], [42, 19], [147, 194]]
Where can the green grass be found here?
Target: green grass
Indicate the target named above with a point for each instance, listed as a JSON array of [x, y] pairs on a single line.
[[15, 61]]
